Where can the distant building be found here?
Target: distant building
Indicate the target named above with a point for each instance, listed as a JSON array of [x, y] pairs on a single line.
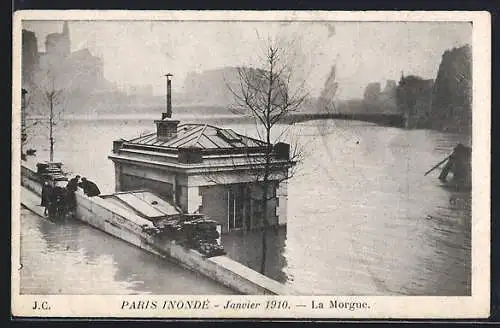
[[387, 98], [77, 71], [390, 86], [87, 66], [58, 45], [213, 87], [30, 57], [210, 87], [79, 74], [378, 100], [204, 169], [372, 93], [414, 96]]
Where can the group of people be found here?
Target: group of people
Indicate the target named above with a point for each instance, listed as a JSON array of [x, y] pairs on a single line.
[[60, 200]]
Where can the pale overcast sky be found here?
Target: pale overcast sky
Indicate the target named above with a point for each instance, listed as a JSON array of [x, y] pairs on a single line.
[[139, 52]]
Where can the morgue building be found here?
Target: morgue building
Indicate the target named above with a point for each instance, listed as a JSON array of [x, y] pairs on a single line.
[[205, 169]]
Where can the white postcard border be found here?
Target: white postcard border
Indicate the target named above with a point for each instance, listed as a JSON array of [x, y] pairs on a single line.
[[475, 306]]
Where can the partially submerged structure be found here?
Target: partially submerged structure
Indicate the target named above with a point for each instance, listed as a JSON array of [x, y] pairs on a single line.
[[458, 164], [205, 169]]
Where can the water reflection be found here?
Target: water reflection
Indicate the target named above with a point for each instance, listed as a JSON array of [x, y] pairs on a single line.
[[246, 248]]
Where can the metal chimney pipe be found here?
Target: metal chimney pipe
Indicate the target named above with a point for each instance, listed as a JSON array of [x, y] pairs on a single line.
[[169, 96]]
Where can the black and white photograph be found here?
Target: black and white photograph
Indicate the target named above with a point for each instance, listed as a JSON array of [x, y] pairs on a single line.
[[215, 156]]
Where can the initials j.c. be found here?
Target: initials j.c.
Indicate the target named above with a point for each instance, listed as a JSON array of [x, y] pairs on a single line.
[[43, 305]]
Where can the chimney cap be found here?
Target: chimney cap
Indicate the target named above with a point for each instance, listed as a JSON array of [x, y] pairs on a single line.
[[169, 75]]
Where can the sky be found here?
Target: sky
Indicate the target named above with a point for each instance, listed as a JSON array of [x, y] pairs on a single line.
[[141, 52]]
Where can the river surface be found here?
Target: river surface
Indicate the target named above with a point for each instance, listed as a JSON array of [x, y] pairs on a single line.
[[362, 218], [75, 258]]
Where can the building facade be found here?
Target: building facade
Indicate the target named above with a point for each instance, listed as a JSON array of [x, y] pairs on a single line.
[[78, 71], [414, 96], [206, 169], [30, 57]]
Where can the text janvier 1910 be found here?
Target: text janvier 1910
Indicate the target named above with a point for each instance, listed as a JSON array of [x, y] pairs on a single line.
[[272, 304]]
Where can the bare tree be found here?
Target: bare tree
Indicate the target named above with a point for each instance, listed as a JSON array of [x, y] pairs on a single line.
[[52, 96], [49, 96], [268, 94], [26, 124]]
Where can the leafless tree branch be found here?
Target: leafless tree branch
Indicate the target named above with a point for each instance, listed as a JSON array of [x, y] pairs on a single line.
[[267, 94]]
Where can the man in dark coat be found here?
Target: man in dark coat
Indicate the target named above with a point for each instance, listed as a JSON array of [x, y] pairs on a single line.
[[89, 188], [46, 196], [71, 188], [57, 201], [73, 184]]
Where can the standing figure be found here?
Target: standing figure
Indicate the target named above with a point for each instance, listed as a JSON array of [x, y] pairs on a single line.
[[73, 184], [89, 188], [46, 196], [57, 202], [71, 188]]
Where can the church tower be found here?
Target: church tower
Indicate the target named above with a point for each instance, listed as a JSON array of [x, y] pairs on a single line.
[[65, 31], [65, 41], [58, 45]]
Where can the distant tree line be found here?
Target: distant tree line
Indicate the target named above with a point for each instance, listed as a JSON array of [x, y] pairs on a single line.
[[452, 95], [444, 103]]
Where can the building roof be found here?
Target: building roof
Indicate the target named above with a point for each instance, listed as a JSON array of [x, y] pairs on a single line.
[[143, 203], [202, 136]]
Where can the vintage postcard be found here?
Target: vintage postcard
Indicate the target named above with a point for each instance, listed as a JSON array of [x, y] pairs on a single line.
[[232, 164]]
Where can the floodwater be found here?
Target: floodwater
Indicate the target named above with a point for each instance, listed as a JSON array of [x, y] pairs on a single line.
[[74, 258], [362, 219]]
